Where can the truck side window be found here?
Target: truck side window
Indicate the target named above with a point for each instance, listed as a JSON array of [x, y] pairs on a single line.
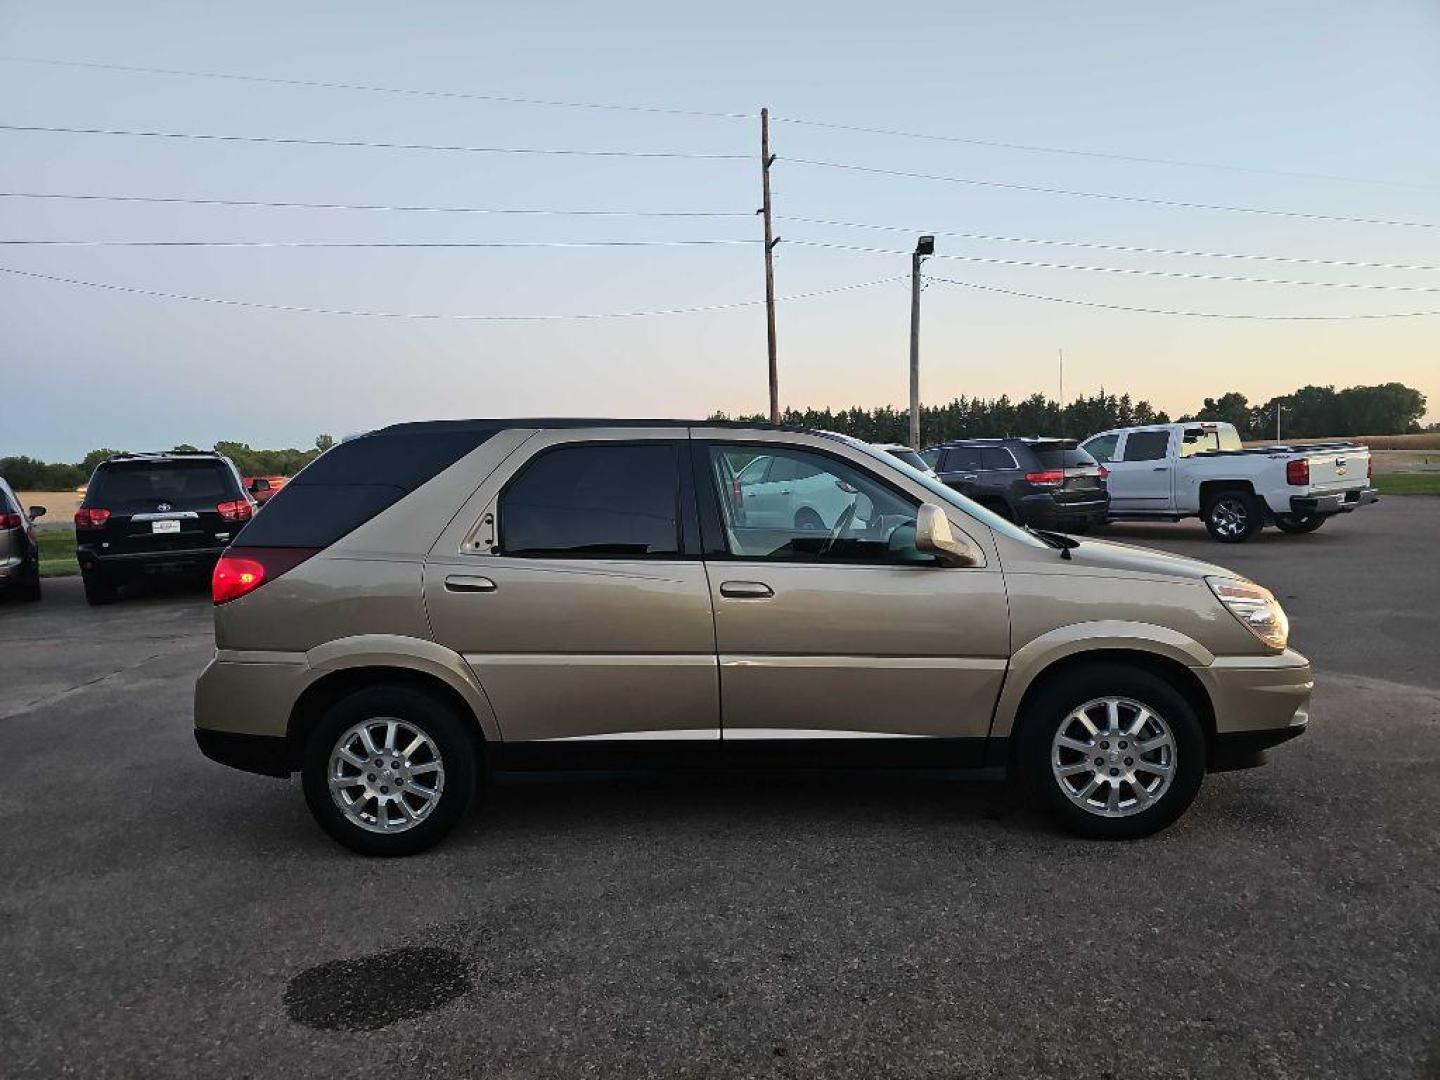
[[1146, 445], [1102, 448]]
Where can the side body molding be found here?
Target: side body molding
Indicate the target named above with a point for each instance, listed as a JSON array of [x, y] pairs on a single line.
[[1031, 659]]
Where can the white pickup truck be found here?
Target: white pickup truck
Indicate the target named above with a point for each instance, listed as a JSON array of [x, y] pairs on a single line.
[[1173, 471]]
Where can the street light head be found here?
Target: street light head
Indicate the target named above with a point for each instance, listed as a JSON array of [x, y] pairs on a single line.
[[925, 246]]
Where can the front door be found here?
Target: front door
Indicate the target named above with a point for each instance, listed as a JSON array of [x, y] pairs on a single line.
[[846, 642], [1141, 475], [587, 621]]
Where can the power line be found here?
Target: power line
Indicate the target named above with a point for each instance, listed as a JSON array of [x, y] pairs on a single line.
[[157, 294], [1173, 311], [176, 199], [462, 95], [1070, 152], [1142, 199], [990, 261], [1096, 246], [377, 244], [280, 141]]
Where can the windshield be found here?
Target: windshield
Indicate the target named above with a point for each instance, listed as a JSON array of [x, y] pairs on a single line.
[[949, 495]]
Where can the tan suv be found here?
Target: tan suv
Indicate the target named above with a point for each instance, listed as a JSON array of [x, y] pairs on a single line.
[[431, 603]]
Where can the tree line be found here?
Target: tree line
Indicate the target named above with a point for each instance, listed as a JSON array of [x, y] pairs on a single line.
[[1309, 412], [30, 474]]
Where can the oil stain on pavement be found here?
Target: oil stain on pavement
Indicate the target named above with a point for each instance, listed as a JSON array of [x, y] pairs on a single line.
[[374, 991]]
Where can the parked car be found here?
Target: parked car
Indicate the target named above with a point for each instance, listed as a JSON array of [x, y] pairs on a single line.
[[1173, 471], [19, 552], [261, 488], [1049, 483], [156, 514], [431, 603], [910, 456]]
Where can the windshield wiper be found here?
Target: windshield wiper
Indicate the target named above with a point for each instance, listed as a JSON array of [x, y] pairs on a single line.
[[1055, 540]]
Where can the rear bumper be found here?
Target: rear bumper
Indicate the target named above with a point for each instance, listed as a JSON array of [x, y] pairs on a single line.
[[265, 754], [135, 563], [1341, 502], [1259, 702], [1044, 510]]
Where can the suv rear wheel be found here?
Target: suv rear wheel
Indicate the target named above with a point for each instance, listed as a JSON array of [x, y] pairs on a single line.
[[1115, 752], [389, 770], [1232, 516], [97, 589]]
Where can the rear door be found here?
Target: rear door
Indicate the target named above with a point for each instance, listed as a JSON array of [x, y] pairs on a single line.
[[1141, 475], [580, 600]]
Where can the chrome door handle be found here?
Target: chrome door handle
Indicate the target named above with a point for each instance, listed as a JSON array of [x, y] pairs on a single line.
[[1160, 468], [467, 583], [746, 590]]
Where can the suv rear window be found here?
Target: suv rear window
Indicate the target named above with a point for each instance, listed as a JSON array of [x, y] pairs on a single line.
[[1062, 457], [185, 484], [353, 482]]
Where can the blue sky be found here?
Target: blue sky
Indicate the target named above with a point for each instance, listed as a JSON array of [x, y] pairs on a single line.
[[1319, 88]]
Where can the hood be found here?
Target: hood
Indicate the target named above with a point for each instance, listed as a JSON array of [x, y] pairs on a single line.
[[1108, 555]]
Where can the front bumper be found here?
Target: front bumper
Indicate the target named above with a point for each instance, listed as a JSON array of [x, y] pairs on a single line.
[[1341, 502], [1259, 702]]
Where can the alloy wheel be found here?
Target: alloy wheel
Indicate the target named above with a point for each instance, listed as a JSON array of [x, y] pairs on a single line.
[[1231, 517], [385, 775], [1113, 757]]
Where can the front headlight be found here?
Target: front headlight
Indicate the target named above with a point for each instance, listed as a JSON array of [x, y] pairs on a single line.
[[1255, 607]]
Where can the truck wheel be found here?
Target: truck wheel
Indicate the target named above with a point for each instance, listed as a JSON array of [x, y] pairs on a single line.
[[97, 590], [1233, 516], [1114, 751], [1289, 523], [389, 770]]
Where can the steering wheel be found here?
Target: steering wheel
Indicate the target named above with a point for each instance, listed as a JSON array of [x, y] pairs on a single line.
[[841, 524]]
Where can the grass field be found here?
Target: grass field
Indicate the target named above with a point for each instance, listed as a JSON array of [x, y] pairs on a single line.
[[57, 552], [1419, 483]]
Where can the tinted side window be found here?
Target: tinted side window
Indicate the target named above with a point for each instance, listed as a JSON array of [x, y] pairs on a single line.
[[932, 457], [1102, 448], [1146, 445], [996, 457], [962, 459], [599, 499]]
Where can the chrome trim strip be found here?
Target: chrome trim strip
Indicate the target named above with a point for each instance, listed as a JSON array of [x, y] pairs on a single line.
[[168, 515], [952, 663], [744, 734], [672, 735]]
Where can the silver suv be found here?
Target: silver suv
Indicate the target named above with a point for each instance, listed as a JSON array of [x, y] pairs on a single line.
[[431, 603]]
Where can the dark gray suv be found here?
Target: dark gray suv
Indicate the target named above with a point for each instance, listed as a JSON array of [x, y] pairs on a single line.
[[1050, 483]]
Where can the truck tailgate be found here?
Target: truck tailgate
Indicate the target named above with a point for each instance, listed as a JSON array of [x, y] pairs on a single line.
[[1339, 470]]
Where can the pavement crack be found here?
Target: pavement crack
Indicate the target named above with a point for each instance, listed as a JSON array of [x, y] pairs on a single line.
[[79, 688]]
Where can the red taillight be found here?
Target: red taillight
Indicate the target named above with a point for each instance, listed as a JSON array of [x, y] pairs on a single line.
[[1048, 478], [1297, 472], [91, 518], [1104, 473], [239, 510], [11, 521], [243, 570]]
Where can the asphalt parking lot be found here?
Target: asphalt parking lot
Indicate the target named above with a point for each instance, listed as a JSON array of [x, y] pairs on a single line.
[[161, 916]]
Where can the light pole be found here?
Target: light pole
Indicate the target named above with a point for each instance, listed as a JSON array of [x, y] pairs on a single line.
[[1278, 410], [923, 247]]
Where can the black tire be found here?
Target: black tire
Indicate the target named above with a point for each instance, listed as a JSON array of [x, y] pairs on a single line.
[[454, 736], [98, 591], [807, 520], [1232, 516], [1289, 523], [30, 590], [1060, 697]]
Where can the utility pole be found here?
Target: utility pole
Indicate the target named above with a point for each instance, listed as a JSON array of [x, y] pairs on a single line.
[[923, 247], [1278, 410], [767, 159]]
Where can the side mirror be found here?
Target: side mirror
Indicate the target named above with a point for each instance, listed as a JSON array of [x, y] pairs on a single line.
[[37, 512], [933, 534]]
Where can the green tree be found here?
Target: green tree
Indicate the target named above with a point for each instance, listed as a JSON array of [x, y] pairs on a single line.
[[324, 442]]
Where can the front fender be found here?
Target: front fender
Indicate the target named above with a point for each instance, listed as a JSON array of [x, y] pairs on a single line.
[[1036, 656]]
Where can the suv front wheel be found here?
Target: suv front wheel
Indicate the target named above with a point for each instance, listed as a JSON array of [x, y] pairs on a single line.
[[389, 770], [1115, 752]]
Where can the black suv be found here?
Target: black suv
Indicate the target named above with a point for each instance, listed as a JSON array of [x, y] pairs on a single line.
[[147, 514], [1051, 483]]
